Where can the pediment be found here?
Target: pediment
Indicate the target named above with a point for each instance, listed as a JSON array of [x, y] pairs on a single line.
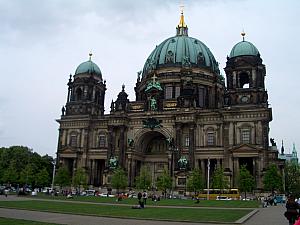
[[245, 148], [67, 150]]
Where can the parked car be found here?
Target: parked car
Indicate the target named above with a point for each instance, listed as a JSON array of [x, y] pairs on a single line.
[[223, 198], [106, 195]]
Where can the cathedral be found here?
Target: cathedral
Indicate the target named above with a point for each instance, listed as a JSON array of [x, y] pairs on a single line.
[[185, 116]]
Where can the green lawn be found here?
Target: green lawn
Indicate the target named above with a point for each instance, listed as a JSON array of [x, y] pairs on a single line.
[[8, 221], [175, 214], [165, 202]]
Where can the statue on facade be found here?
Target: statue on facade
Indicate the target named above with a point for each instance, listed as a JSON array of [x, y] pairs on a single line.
[[153, 104], [273, 143], [182, 163], [63, 110], [113, 162]]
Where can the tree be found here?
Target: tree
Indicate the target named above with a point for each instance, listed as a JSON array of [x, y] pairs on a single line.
[[10, 175], [119, 179], [219, 181], [20, 165], [27, 175], [143, 181], [246, 180], [80, 178], [164, 182], [195, 181], [292, 177], [272, 179], [63, 177], [42, 178]]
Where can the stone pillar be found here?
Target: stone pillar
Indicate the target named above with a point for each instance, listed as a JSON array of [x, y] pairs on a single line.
[[110, 142], [225, 143], [129, 169], [235, 171], [218, 163], [192, 146], [122, 147], [178, 146], [202, 164], [133, 166]]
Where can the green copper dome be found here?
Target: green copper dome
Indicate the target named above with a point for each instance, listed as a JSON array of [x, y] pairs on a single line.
[[181, 51], [88, 67], [243, 48]]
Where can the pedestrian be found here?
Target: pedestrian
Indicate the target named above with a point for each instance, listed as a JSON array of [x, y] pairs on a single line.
[[141, 204], [291, 210], [145, 196]]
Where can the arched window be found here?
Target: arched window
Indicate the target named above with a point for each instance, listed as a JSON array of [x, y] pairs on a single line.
[[245, 135], [244, 80], [211, 138], [102, 140], [73, 139]]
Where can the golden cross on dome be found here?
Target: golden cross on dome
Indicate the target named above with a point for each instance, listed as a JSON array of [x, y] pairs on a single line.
[[181, 21]]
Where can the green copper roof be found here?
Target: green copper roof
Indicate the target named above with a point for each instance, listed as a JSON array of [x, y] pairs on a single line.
[[88, 67], [181, 51], [243, 48]]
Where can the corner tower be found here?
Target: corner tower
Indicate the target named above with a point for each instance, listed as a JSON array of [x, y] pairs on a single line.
[[245, 74], [86, 91]]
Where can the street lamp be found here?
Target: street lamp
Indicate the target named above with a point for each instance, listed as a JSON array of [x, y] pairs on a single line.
[[53, 173], [208, 169]]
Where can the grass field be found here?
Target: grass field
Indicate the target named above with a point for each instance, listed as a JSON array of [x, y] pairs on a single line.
[[163, 202], [158, 213], [8, 221]]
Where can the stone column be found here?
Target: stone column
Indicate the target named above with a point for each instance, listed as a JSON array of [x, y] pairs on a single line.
[[218, 163], [235, 171], [202, 164], [129, 169], [178, 146], [122, 147], [110, 142], [192, 146]]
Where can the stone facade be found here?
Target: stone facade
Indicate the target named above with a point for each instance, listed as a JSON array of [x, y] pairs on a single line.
[[182, 110]]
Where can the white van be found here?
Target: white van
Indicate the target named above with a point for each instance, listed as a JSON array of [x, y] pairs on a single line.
[[223, 198]]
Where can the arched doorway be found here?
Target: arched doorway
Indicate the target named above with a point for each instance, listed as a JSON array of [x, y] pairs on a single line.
[[153, 147]]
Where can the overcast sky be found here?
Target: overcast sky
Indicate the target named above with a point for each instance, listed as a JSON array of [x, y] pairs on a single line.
[[42, 42]]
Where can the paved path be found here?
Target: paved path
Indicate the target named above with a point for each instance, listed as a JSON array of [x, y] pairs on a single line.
[[264, 216]]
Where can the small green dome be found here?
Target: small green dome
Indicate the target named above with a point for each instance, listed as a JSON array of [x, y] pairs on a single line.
[[88, 67], [244, 48]]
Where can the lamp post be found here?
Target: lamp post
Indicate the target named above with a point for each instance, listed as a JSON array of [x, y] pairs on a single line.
[[172, 149], [53, 173], [208, 169]]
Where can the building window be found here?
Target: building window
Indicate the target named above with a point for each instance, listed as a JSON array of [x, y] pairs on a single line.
[[102, 141], [210, 138], [73, 140], [181, 181], [177, 92], [244, 80], [245, 136], [168, 92], [187, 141], [201, 97]]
